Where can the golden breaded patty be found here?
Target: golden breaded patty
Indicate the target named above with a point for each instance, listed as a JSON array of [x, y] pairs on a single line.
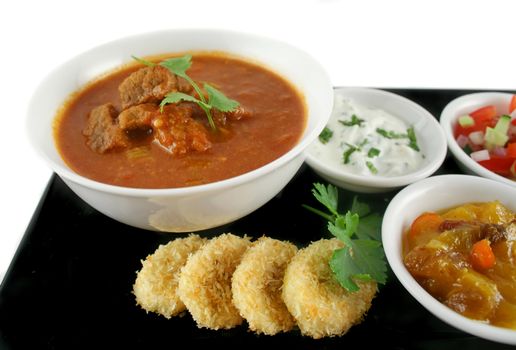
[[257, 283], [319, 304], [205, 282], [156, 283]]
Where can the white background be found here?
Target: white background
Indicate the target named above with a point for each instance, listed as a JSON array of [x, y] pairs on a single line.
[[383, 43]]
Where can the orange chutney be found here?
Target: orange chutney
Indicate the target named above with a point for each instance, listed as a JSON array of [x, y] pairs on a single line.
[[466, 258]]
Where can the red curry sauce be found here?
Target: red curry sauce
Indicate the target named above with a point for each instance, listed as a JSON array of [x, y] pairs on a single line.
[[276, 125]]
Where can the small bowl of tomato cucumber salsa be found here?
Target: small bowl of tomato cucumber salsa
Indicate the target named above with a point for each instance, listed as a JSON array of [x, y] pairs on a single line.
[[481, 132]]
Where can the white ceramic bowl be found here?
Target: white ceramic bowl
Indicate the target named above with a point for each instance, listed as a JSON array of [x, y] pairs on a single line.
[[430, 139], [464, 105], [190, 208], [433, 194]]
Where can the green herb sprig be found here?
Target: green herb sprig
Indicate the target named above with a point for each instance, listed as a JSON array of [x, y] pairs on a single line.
[[354, 121], [346, 156], [216, 99], [410, 135], [391, 134], [362, 257]]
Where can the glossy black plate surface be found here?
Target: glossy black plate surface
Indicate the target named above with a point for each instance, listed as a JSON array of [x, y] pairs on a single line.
[[69, 284]]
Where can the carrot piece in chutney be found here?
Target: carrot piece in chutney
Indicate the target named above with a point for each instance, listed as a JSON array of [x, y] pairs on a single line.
[[482, 256], [424, 228]]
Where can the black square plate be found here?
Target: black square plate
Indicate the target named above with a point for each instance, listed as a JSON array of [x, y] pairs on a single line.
[[69, 284]]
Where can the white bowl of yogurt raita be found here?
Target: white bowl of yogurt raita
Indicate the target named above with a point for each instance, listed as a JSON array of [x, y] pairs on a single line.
[[377, 141]]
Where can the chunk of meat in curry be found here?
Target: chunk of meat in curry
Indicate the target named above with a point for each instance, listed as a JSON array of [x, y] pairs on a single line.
[[150, 84], [177, 128], [137, 117], [102, 131]]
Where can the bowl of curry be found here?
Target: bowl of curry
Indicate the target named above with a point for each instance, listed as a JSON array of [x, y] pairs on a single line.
[[450, 241], [180, 130]]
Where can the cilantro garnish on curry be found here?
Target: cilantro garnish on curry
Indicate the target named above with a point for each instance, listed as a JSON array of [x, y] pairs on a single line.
[[216, 99]]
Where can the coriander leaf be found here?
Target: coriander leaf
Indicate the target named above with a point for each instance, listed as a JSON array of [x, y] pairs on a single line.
[[217, 99], [338, 228], [344, 227], [373, 152], [370, 258], [175, 97], [359, 208], [346, 155], [143, 61], [339, 266], [361, 259], [371, 167], [178, 65], [354, 121], [391, 134], [351, 220], [363, 143], [369, 227], [325, 135], [412, 138], [327, 196]]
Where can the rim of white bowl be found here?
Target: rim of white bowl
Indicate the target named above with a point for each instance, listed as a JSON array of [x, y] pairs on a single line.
[[449, 118], [297, 150], [394, 181], [391, 239]]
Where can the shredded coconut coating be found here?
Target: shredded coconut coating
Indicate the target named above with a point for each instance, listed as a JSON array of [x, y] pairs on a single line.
[[321, 307], [156, 283], [205, 282], [257, 284]]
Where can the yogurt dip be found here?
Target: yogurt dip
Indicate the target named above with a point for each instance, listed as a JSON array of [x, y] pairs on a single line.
[[367, 141]]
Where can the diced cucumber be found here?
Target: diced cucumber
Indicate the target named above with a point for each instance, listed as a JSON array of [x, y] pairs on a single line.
[[502, 126], [495, 138], [466, 121]]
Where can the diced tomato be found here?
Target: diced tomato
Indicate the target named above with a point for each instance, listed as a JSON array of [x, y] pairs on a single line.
[[513, 122], [484, 114], [512, 107], [511, 150], [499, 165]]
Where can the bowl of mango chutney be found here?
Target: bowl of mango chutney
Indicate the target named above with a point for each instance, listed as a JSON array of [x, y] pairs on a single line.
[[450, 240]]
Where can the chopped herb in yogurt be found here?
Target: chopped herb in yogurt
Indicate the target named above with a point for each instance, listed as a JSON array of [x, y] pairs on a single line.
[[325, 135], [354, 121]]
